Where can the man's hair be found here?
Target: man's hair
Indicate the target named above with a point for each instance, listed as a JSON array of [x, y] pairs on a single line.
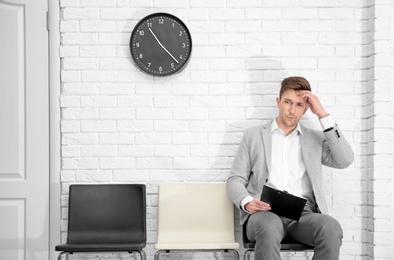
[[295, 83]]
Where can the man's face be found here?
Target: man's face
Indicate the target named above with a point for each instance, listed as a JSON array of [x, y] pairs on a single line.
[[291, 109]]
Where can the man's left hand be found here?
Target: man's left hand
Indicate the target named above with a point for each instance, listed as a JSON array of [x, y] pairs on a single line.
[[313, 102]]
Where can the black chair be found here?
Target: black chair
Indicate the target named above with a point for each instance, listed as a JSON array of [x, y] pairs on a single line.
[[287, 244], [106, 218]]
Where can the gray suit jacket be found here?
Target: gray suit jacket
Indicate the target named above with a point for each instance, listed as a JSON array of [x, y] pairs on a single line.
[[251, 166]]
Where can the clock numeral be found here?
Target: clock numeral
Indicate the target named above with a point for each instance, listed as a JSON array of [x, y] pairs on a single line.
[[149, 25], [180, 33], [173, 25], [183, 45], [161, 21], [142, 33], [160, 68], [141, 56], [149, 63], [172, 65], [137, 44], [181, 57]]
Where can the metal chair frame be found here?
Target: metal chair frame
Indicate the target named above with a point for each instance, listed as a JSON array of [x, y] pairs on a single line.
[[169, 251], [66, 254]]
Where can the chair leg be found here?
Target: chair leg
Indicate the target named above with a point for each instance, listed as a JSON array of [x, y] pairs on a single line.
[[235, 253], [247, 254], [157, 255], [142, 254], [61, 254]]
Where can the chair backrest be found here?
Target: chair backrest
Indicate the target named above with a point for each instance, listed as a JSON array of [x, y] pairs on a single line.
[[195, 213], [109, 213]]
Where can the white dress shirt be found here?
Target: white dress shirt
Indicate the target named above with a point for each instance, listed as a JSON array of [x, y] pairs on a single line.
[[288, 170]]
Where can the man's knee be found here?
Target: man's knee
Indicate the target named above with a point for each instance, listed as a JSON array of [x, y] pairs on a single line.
[[265, 225], [331, 231]]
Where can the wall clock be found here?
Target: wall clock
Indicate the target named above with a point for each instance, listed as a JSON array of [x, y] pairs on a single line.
[[161, 44]]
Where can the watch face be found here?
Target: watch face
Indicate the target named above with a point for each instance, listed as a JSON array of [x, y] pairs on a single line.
[[160, 44]]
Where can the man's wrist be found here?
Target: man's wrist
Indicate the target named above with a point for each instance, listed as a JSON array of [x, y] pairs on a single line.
[[326, 122], [323, 115], [245, 201]]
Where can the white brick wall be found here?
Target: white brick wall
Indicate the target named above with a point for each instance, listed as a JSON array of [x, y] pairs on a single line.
[[380, 175], [120, 125]]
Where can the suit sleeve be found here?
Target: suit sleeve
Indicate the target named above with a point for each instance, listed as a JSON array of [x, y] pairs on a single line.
[[240, 173], [337, 152]]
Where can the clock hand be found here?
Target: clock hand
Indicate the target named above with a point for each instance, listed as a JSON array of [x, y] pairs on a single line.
[[162, 45]]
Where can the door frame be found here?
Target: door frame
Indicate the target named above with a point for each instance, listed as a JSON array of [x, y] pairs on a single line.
[[54, 128]]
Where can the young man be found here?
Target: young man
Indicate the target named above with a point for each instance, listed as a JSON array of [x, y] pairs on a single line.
[[287, 156]]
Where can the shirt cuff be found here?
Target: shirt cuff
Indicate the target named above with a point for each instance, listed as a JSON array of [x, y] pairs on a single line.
[[326, 122], [245, 201]]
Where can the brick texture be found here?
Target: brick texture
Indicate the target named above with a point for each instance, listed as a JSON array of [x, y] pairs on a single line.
[[120, 125]]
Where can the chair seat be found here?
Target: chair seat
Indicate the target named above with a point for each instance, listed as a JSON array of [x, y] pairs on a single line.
[[292, 245], [100, 247], [197, 246], [286, 244]]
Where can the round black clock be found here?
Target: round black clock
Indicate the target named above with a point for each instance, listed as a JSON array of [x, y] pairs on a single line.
[[161, 44]]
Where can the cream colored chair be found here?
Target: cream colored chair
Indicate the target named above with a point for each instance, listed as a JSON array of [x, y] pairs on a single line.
[[195, 217]]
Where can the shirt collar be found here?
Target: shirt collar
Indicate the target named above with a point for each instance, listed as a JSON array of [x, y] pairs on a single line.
[[275, 127]]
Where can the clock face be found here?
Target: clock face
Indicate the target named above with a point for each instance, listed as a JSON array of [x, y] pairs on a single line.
[[160, 44]]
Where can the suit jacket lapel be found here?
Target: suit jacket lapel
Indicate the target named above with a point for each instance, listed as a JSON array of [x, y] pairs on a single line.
[[304, 144], [305, 148], [267, 138]]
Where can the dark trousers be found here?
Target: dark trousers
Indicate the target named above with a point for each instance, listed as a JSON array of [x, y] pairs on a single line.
[[319, 230]]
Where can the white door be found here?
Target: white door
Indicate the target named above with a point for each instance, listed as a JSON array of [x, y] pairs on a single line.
[[24, 130]]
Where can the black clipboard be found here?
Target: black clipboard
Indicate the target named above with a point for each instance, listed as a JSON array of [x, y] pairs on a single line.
[[283, 203]]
